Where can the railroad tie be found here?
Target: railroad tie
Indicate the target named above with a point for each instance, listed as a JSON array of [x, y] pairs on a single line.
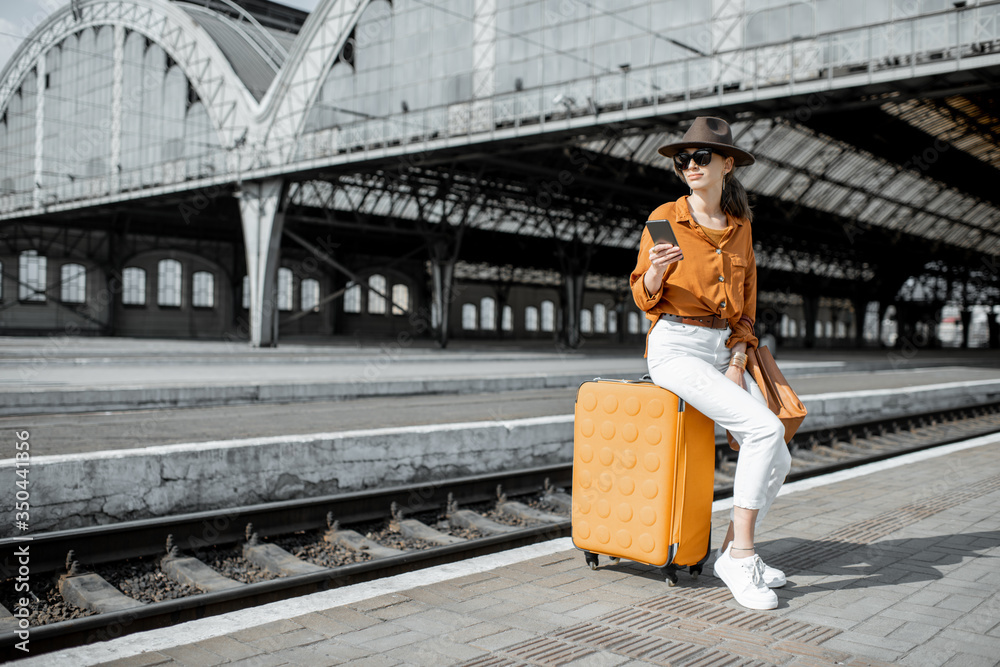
[[355, 541], [274, 559], [559, 500], [93, 592], [413, 529], [193, 572], [470, 519], [521, 511], [7, 621]]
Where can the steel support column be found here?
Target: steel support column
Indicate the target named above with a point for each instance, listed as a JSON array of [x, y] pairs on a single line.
[[442, 278], [263, 220]]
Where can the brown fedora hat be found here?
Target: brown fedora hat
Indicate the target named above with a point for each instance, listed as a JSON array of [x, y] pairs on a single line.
[[709, 132]]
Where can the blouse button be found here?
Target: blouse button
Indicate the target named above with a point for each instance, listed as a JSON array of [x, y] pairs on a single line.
[[722, 305], [722, 279], [718, 251]]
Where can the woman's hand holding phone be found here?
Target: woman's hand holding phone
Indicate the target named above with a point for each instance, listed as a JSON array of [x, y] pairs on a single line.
[[661, 256]]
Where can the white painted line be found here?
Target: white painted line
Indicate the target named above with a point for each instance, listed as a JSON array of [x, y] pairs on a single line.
[[215, 626]]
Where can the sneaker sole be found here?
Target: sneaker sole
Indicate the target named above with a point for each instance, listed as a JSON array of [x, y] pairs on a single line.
[[736, 597]]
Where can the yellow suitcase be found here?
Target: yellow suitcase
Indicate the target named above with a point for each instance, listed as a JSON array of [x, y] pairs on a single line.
[[643, 476]]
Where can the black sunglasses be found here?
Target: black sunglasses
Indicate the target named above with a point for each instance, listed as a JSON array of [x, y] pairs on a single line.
[[702, 157]]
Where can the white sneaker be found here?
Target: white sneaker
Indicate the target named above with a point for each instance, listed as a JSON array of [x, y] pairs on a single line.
[[745, 579], [773, 577]]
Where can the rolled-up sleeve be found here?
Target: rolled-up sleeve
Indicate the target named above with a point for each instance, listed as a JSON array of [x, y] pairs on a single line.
[[742, 323], [643, 299]]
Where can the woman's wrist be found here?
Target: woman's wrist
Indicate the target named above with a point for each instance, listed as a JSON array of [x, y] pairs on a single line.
[[738, 360]]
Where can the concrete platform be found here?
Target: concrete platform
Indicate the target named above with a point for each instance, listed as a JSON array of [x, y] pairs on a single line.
[[890, 564], [60, 375]]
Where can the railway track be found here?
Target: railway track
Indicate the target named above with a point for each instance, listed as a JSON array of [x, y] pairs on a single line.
[[530, 509]]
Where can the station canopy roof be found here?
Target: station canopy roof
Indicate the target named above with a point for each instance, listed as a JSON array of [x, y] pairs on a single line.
[[804, 167]]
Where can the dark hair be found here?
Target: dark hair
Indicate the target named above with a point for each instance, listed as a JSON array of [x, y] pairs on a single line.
[[734, 196]]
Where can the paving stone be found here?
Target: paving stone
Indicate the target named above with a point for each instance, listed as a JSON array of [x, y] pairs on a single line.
[[971, 642], [324, 625], [194, 656], [916, 633], [287, 640], [265, 660], [228, 647], [970, 660], [403, 607], [959, 603], [501, 639], [878, 626], [265, 630], [440, 620], [434, 653], [855, 647], [323, 654], [473, 632], [349, 617], [142, 660]]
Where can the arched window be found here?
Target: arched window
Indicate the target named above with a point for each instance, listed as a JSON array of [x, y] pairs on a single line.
[[376, 288], [469, 316], [507, 320], [548, 316], [246, 292], [168, 283], [487, 313], [586, 321], [633, 323], [612, 322], [203, 290], [600, 318], [400, 299], [531, 319], [352, 299], [309, 297], [285, 287], [31, 275], [134, 286], [793, 328], [840, 330], [73, 283], [828, 329]]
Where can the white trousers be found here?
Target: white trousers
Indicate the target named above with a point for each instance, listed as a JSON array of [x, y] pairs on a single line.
[[691, 361]]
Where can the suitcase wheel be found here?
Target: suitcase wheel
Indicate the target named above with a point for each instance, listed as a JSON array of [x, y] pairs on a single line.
[[695, 571], [670, 573], [615, 560], [591, 559]]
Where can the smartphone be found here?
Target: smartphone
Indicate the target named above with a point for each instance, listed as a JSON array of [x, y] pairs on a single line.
[[662, 232]]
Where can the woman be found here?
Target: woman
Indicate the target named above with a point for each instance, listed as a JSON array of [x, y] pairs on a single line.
[[702, 297]]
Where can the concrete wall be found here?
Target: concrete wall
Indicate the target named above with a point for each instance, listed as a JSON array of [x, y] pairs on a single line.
[[107, 487]]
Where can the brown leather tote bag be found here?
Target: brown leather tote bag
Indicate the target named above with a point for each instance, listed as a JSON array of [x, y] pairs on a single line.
[[781, 398]]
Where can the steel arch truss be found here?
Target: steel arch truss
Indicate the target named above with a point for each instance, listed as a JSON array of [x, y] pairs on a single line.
[[203, 63], [291, 96]]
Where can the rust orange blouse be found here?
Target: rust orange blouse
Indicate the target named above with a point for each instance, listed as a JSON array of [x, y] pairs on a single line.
[[712, 279]]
